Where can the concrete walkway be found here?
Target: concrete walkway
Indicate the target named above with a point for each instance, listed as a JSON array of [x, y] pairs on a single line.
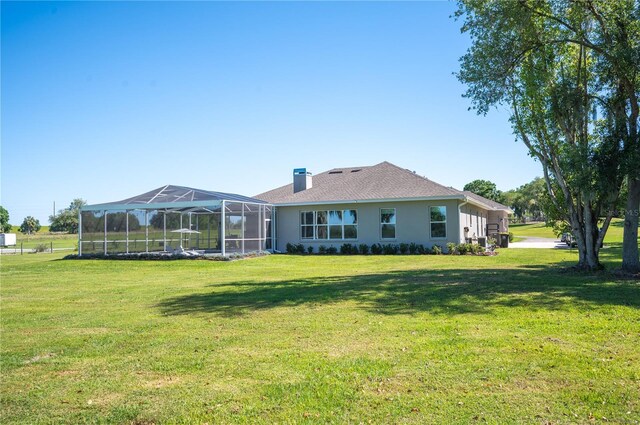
[[531, 242]]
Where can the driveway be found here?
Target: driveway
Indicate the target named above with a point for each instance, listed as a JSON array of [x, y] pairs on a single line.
[[531, 242]]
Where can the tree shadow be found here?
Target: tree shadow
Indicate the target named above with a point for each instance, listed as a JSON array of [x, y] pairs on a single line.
[[448, 292]]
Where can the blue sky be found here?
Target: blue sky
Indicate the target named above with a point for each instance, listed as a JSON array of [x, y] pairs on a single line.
[[107, 100]]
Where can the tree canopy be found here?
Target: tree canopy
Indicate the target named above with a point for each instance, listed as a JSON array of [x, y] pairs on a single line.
[[4, 220], [67, 219], [569, 70], [484, 188], [528, 200], [30, 225]]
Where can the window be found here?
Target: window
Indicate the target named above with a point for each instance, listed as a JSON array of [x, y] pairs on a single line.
[[388, 223], [438, 222], [321, 225], [306, 224], [335, 225]]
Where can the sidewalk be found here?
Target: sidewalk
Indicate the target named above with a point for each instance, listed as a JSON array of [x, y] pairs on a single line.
[[530, 242]]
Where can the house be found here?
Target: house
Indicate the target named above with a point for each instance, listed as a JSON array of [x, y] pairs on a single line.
[[381, 203]]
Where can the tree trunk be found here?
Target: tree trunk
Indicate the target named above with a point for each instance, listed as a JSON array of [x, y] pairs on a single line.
[[584, 226], [630, 260]]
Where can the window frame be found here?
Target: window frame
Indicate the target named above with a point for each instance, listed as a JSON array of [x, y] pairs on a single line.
[[395, 224], [432, 222], [327, 214], [307, 225]]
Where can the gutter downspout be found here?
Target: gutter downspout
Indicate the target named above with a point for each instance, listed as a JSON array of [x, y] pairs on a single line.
[[460, 221]]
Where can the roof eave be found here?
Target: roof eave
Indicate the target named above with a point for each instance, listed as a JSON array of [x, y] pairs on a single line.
[[367, 201], [163, 205], [486, 206]]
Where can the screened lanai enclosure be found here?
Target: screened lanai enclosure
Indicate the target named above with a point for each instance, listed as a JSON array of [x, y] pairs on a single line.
[[176, 219]]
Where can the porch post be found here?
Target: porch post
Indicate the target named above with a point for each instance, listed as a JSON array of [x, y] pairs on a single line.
[[105, 231], [126, 212], [79, 233], [146, 232], [222, 230]]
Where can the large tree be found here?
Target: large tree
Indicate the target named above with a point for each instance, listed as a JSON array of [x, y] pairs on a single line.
[[5, 227], [67, 219], [30, 225], [484, 188], [571, 90], [529, 200]]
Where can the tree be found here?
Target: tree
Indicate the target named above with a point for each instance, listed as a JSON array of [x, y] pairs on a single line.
[[172, 219], [484, 188], [30, 225], [557, 64], [5, 227], [67, 219], [529, 200]]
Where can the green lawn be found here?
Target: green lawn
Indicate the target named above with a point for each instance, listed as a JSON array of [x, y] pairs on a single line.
[[59, 240], [539, 230], [308, 339]]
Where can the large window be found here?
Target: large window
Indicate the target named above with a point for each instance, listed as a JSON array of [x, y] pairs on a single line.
[[438, 222], [336, 224], [388, 223]]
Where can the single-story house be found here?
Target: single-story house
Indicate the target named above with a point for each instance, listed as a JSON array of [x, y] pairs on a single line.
[[381, 203]]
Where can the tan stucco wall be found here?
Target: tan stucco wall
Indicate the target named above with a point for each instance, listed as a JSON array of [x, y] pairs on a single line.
[[412, 223]]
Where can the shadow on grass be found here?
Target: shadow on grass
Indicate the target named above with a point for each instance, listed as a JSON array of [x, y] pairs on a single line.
[[449, 292]]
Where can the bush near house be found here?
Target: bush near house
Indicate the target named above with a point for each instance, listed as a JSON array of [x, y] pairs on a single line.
[[388, 249]]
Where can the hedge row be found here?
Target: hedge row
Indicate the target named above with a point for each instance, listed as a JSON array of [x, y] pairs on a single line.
[[162, 256], [390, 249], [364, 249]]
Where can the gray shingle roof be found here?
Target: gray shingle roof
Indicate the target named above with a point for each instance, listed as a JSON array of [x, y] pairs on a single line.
[[493, 204], [381, 181]]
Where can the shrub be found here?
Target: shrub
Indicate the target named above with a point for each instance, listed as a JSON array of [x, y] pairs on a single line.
[[40, 248], [422, 249], [436, 250], [413, 248], [322, 249], [451, 248], [465, 248], [403, 248], [295, 249], [479, 249], [390, 249], [355, 249], [364, 248], [346, 249], [376, 249], [510, 236], [310, 249], [332, 250]]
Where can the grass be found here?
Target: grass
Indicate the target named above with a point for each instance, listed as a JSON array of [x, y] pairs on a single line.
[[539, 230], [535, 230], [59, 240], [310, 339]]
